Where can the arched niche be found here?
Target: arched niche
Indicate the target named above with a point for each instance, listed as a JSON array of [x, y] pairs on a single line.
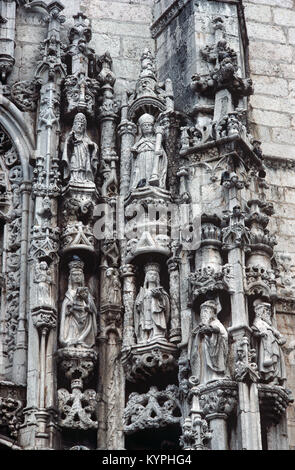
[[16, 149]]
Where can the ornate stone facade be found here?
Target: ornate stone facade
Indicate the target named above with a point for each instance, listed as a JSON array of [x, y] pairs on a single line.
[[142, 281]]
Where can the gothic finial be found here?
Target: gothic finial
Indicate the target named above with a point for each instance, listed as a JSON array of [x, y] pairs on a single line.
[[148, 68]]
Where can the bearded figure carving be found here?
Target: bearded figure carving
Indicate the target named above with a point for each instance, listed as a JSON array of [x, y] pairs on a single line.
[[80, 153], [208, 348], [271, 364]]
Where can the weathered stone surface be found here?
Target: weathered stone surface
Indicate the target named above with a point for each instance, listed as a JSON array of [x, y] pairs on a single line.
[[147, 221]]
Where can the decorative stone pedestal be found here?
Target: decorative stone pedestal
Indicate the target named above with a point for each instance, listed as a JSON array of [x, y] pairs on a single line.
[[142, 361]]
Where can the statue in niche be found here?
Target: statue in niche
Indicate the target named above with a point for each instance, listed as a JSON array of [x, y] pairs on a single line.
[[208, 348], [112, 287], [152, 308], [271, 364], [80, 153], [78, 325], [42, 277], [149, 165]]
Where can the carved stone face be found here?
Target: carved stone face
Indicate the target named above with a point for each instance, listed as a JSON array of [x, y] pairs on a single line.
[[79, 126], [77, 277], [263, 311], [43, 265], [266, 313], [152, 276], [147, 128]]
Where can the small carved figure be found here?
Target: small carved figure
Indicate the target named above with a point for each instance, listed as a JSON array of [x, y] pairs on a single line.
[[149, 157], [152, 307], [208, 347], [43, 280], [111, 287], [78, 314], [80, 153], [271, 364]]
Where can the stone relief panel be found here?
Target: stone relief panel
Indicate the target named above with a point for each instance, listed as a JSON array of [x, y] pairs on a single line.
[[11, 215], [152, 410]]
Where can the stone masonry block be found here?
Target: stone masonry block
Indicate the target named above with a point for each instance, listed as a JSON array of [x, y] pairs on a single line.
[[284, 105], [263, 31], [270, 118], [134, 47], [274, 3], [268, 51], [118, 11], [259, 13], [270, 86], [284, 17]]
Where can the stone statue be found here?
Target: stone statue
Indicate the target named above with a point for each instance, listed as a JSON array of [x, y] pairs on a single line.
[[208, 348], [42, 277], [78, 313], [149, 166], [152, 308], [113, 287], [80, 153], [271, 364]]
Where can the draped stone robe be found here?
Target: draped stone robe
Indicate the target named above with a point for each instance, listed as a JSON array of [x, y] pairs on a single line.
[[78, 328], [271, 361], [208, 352], [143, 160], [80, 158], [151, 314]]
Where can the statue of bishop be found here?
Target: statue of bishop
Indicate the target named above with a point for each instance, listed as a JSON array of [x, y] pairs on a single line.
[[79, 158]]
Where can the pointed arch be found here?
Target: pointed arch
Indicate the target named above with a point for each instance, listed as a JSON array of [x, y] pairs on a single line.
[[13, 122]]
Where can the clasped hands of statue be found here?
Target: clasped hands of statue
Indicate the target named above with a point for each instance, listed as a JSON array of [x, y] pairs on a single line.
[[205, 330], [157, 292]]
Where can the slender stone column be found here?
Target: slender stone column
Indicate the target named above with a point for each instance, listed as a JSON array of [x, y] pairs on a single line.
[[41, 392], [19, 371], [127, 131], [129, 295], [218, 401], [249, 417], [218, 426], [175, 329]]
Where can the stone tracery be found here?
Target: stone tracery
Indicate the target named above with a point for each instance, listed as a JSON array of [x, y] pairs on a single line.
[[190, 287]]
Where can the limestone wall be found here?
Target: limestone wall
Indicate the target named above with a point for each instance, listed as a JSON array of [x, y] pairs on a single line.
[[271, 31], [121, 27]]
